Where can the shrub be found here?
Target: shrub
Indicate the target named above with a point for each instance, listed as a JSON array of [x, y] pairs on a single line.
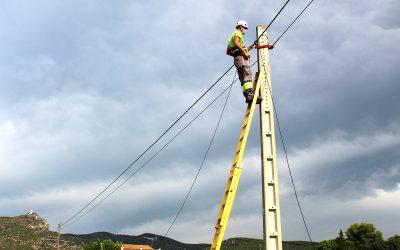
[[102, 245]]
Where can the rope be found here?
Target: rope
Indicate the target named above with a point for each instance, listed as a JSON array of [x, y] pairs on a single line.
[[204, 158]]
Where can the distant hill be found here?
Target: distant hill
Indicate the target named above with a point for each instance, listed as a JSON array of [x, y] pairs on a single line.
[[166, 243], [162, 242], [32, 232]]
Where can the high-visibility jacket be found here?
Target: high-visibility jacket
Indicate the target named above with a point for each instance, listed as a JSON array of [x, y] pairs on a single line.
[[232, 47]]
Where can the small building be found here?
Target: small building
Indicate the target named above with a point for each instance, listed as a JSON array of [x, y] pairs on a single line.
[[136, 247]]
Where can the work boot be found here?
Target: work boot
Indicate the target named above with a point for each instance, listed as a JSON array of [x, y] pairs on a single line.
[[249, 94]]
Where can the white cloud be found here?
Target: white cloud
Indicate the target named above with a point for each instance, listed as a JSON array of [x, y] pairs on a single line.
[[338, 147]]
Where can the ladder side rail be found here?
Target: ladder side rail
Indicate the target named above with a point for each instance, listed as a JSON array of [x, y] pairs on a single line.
[[235, 173]]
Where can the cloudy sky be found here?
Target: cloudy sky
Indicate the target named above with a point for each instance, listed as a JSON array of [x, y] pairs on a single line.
[[86, 86]]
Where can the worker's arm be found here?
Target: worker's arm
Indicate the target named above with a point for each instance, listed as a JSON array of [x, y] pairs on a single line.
[[237, 44]]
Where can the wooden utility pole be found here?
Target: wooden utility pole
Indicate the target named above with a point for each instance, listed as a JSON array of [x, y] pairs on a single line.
[[272, 236], [58, 235]]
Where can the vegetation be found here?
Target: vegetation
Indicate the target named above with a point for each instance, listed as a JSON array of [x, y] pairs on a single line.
[[393, 242], [255, 244], [102, 245], [32, 232], [361, 236]]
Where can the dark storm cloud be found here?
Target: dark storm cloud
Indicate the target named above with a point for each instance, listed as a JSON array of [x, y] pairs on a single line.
[[86, 86]]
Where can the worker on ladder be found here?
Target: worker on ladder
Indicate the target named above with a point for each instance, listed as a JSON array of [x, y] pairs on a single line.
[[241, 55]]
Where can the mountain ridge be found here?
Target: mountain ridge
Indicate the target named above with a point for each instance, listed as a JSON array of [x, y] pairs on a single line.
[[30, 231]]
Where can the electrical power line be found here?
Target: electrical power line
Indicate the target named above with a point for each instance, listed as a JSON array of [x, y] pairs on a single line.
[[154, 155], [204, 158], [294, 20], [272, 21], [175, 122], [162, 135], [148, 148], [286, 156]]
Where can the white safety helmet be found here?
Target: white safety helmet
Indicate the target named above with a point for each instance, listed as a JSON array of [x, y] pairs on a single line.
[[243, 23]]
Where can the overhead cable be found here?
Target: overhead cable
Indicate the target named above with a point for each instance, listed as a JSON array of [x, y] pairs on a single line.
[[204, 159], [272, 21], [286, 156], [147, 149], [155, 154], [181, 116], [288, 27]]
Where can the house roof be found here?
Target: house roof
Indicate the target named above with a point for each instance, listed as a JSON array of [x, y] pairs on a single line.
[[135, 247]]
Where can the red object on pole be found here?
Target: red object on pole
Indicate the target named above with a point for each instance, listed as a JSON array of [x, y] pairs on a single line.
[[267, 46]]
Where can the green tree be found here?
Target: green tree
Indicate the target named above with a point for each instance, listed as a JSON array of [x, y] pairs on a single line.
[[342, 242], [327, 245], [365, 236], [102, 245], [393, 243]]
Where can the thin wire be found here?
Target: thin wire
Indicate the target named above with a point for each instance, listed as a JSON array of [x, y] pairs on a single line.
[[148, 148], [184, 113], [286, 155], [204, 158], [144, 164], [154, 155], [287, 28], [291, 175], [270, 23], [166, 131], [281, 133]]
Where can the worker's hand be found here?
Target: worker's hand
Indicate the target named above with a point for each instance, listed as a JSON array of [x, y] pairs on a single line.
[[246, 54], [270, 46]]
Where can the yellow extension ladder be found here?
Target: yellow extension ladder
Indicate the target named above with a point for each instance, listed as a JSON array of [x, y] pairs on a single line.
[[235, 172], [272, 235]]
